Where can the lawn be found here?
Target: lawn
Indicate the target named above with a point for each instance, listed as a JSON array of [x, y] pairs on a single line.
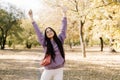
[[24, 65]]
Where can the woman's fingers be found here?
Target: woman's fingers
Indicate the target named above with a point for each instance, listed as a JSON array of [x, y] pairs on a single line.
[[30, 12], [64, 8]]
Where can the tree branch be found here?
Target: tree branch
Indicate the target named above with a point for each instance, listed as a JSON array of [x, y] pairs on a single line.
[[73, 10], [103, 5], [76, 6], [103, 1], [72, 1], [97, 8]]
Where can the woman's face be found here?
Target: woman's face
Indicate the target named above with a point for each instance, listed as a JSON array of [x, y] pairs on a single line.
[[49, 33]]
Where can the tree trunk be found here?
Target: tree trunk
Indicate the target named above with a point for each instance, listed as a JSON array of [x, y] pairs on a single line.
[[82, 39], [2, 39], [28, 44], [70, 44], [3, 42], [101, 43]]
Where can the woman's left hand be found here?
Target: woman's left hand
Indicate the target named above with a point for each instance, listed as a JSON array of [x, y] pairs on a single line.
[[64, 9]]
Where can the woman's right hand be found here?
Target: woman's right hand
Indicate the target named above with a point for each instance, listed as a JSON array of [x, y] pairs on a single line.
[[30, 13], [64, 9]]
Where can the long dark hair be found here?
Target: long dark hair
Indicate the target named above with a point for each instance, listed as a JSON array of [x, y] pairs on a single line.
[[50, 49]]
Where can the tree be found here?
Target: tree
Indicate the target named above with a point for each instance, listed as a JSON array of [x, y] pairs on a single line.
[[106, 22], [81, 10], [9, 23], [86, 7], [72, 34], [29, 37]]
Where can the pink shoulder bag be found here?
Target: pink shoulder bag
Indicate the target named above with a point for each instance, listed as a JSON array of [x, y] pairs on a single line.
[[46, 61]]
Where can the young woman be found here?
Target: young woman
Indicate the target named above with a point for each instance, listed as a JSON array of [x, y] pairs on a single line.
[[52, 45]]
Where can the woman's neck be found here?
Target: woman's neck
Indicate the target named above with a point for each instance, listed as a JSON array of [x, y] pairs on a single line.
[[51, 39]]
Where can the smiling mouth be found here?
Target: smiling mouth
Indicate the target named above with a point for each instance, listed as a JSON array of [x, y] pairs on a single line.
[[50, 34]]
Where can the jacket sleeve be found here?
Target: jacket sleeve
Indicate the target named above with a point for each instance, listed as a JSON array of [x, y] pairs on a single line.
[[40, 35], [62, 34]]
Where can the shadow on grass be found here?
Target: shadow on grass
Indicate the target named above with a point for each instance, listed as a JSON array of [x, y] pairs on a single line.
[[85, 71], [11, 69]]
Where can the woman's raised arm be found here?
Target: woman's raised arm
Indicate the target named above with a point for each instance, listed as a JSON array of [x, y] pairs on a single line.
[[40, 35], [62, 34]]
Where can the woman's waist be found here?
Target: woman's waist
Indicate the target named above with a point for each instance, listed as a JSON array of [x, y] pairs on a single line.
[[54, 67]]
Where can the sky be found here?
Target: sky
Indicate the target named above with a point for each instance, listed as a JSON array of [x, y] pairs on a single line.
[[26, 5]]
